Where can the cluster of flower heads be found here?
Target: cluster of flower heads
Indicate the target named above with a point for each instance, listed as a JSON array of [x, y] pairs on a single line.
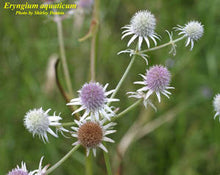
[[94, 124], [157, 78], [142, 27], [23, 170]]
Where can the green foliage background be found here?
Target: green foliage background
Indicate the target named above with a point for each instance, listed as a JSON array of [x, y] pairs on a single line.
[[189, 144]]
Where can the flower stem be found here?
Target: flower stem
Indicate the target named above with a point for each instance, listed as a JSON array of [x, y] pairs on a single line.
[[68, 124], [123, 77], [107, 163], [63, 159], [92, 58], [63, 56], [89, 164], [126, 110], [163, 45], [95, 23]]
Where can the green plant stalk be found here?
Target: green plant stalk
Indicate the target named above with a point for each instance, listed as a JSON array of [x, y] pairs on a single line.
[[123, 77], [92, 57], [68, 124], [89, 164], [107, 163], [63, 56], [94, 40], [121, 114], [63, 159], [163, 45]]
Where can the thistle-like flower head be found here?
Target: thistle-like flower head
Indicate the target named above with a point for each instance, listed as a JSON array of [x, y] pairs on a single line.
[[193, 30], [93, 96], [90, 134], [142, 26], [156, 79], [19, 170], [23, 170], [143, 23], [85, 4], [38, 122], [93, 99], [216, 104]]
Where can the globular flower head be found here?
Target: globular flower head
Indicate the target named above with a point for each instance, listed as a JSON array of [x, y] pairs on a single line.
[[90, 134], [85, 4], [38, 122], [156, 79], [216, 104], [93, 99], [93, 96], [142, 26], [143, 23], [19, 171], [193, 30]]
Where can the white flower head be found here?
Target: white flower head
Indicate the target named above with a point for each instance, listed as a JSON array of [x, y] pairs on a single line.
[[93, 99], [142, 26], [216, 104], [193, 30], [91, 134], [38, 122], [156, 80]]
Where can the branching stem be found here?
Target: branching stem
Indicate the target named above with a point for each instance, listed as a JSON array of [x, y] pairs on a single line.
[[62, 160]]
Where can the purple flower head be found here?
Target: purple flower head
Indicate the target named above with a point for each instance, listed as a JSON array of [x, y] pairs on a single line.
[[92, 96], [18, 172], [85, 3], [157, 78]]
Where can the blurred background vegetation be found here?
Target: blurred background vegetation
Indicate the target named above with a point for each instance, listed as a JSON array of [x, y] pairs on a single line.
[[188, 144]]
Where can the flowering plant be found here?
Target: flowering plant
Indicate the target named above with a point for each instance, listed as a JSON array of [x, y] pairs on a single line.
[[94, 116]]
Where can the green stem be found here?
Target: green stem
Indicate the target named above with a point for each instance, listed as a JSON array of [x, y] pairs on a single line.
[[89, 164], [63, 159], [123, 77], [94, 39], [63, 56], [68, 124], [107, 163], [163, 45], [92, 57], [126, 110]]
